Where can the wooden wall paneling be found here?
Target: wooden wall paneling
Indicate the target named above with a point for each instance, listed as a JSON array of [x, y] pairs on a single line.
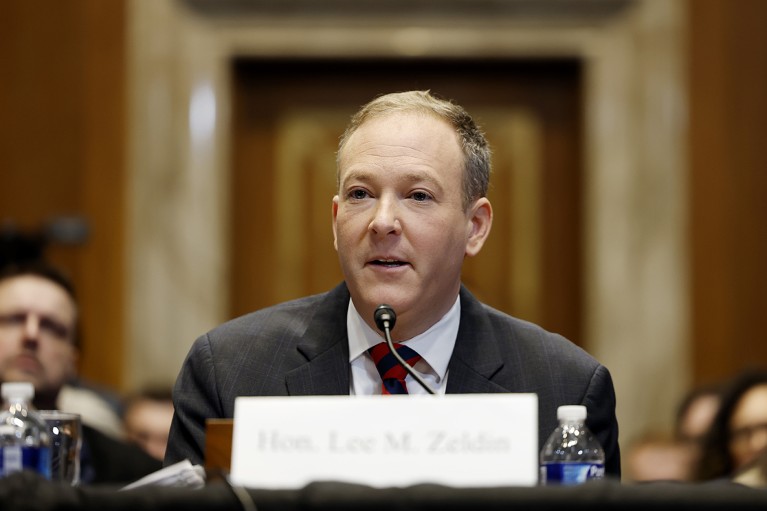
[[61, 151], [39, 101], [728, 183], [251, 187], [102, 262]]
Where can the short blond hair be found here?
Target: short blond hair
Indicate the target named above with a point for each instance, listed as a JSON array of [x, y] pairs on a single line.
[[474, 146]]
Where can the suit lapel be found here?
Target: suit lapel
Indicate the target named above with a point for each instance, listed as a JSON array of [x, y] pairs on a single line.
[[476, 356], [326, 350]]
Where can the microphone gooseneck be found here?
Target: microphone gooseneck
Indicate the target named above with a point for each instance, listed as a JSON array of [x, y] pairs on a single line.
[[385, 317]]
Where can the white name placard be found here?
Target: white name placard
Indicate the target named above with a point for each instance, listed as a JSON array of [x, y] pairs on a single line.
[[461, 440]]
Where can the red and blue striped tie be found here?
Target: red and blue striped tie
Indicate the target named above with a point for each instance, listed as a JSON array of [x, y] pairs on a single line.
[[393, 374]]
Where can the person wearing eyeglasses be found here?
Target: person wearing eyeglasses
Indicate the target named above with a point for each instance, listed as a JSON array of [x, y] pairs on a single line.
[[738, 433], [39, 344]]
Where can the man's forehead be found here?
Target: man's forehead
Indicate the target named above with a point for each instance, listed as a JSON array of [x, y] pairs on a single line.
[[35, 293], [412, 122], [415, 136]]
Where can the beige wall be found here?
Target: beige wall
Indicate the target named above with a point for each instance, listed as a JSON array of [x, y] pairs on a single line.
[[62, 152]]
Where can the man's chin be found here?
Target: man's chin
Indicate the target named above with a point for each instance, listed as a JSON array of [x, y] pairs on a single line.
[[375, 296]]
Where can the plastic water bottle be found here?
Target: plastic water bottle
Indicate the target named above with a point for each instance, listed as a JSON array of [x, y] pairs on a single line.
[[24, 437], [571, 455]]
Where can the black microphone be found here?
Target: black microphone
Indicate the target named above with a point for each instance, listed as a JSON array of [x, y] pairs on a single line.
[[385, 318]]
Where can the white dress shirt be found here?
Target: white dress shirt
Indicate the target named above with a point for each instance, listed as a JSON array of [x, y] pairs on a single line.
[[435, 346]]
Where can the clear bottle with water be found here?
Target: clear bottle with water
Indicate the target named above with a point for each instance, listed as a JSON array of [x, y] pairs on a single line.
[[24, 435], [571, 455]]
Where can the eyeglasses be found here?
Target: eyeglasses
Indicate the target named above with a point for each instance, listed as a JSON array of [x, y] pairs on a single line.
[[50, 328], [744, 434]]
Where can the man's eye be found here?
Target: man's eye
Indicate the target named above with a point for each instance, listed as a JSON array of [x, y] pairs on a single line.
[[54, 329], [420, 196], [13, 319], [358, 194]]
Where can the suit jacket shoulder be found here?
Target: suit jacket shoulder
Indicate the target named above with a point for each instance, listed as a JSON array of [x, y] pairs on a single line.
[[495, 352], [294, 348]]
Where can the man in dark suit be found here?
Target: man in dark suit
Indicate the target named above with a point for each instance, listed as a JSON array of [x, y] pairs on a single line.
[[413, 173]]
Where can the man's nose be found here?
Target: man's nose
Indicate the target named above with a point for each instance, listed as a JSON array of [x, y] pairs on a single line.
[[386, 217], [32, 329]]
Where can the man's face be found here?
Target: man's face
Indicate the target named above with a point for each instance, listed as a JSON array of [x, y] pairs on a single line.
[[37, 321], [399, 225]]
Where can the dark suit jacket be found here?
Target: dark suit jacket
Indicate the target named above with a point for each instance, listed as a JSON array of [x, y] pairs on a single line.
[[300, 348]]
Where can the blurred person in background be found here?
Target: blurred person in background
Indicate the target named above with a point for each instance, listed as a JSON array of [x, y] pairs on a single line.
[[146, 420], [694, 417], [38, 344], [738, 433], [696, 412], [658, 457]]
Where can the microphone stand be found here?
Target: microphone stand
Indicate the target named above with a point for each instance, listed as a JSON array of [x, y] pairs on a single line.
[[385, 318]]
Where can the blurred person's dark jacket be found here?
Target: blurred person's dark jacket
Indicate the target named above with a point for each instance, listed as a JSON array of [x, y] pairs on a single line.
[[107, 460]]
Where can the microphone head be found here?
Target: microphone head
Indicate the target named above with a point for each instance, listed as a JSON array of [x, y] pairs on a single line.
[[384, 314]]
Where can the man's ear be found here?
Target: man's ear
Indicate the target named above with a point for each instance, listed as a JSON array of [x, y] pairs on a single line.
[[480, 222], [335, 214]]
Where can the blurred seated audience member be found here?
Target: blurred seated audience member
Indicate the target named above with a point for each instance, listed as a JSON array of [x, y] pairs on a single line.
[[146, 420], [738, 432], [696, 413], [694, 417], [38, 344], [658, 457]]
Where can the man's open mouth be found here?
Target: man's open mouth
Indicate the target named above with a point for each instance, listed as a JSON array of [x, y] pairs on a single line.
[[389, 263]]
